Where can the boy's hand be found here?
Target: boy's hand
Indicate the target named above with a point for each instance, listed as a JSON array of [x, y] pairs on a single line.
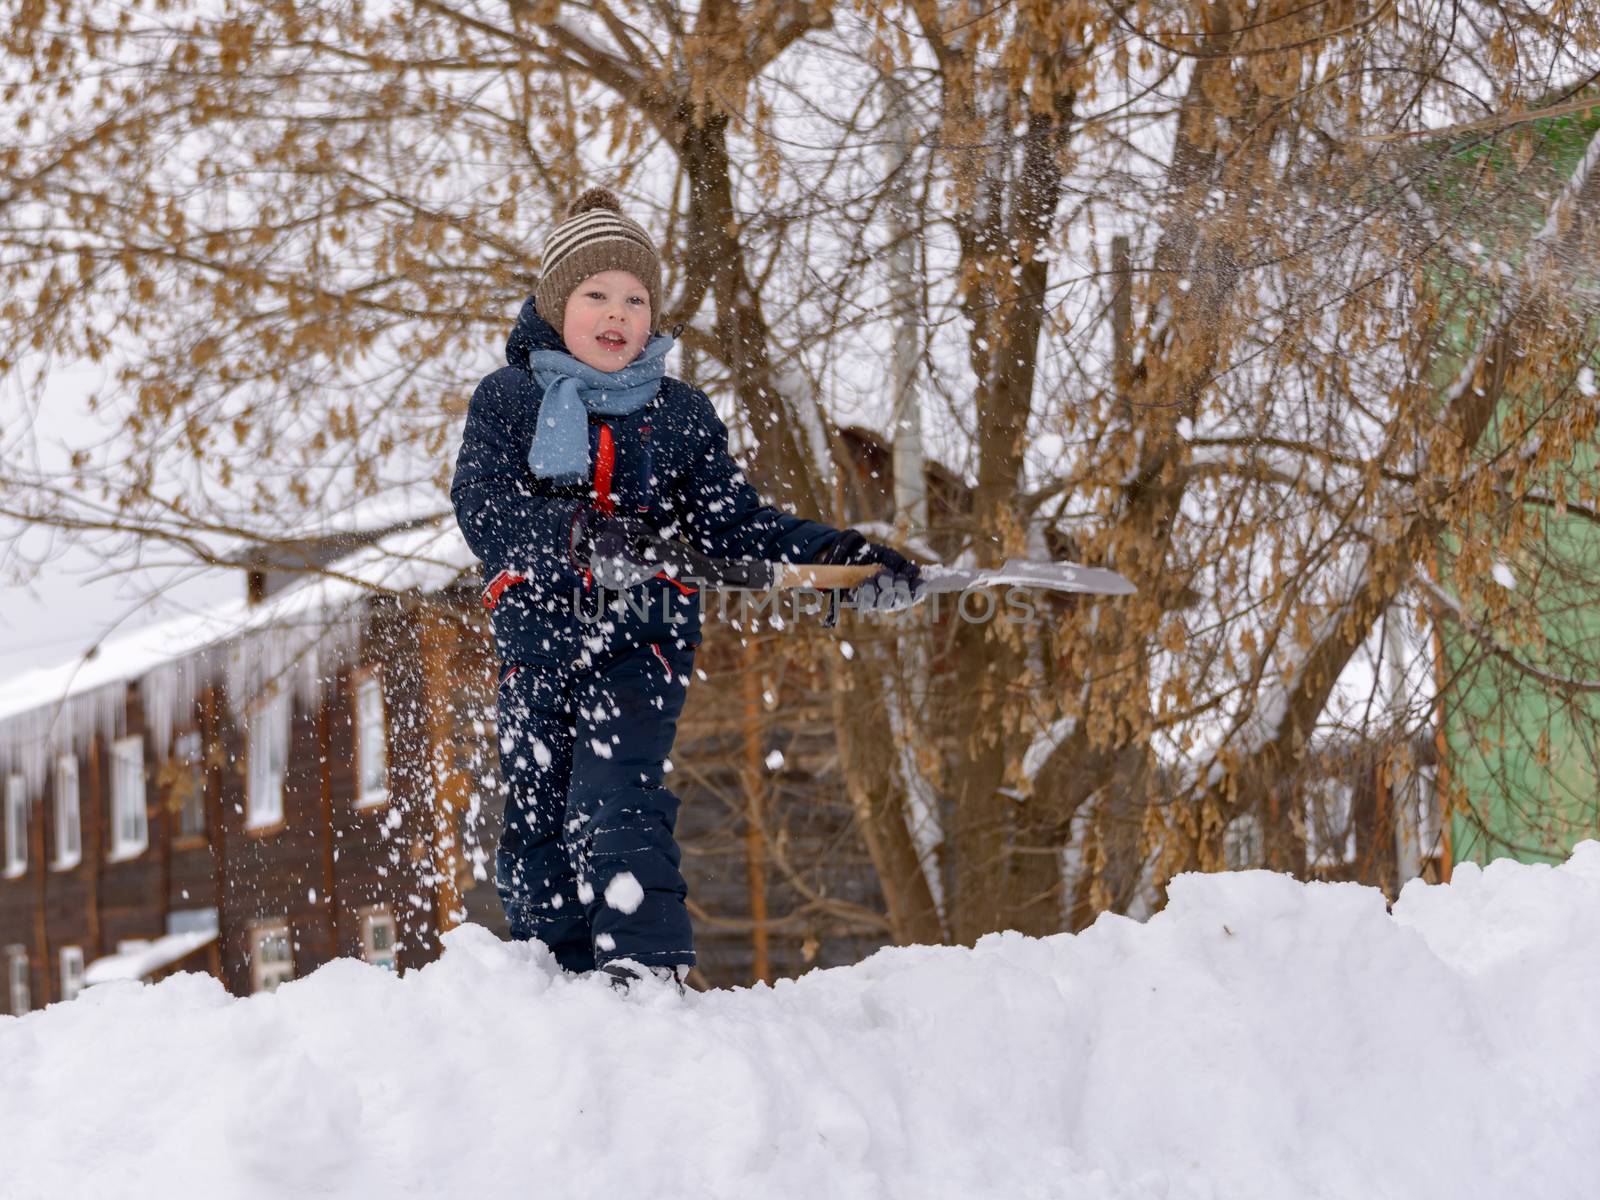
[[617, 550], [897, 586]]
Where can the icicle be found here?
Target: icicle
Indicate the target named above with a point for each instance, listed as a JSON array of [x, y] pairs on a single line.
[[171, 693], [305, 652], [303, 638], [304, 655], [24, 747], [30, 741]]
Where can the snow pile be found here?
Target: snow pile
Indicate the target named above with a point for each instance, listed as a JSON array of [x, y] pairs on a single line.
[[1259, 1038]]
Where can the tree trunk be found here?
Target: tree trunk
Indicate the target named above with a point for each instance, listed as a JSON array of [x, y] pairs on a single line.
[[786, 464], [755, 788]]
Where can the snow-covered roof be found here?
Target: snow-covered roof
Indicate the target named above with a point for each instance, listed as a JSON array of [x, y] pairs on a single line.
[[121, 658], [342, 528], [424, 559], [135, 959], [300, 636]]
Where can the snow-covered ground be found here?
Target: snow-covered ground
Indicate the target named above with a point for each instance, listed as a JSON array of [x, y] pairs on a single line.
[[1258, 1038]]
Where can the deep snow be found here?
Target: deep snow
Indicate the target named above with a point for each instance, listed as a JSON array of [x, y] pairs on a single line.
[[1258, 1038]]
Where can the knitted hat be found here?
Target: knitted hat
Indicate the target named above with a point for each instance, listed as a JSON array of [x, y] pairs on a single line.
[[595, 237]]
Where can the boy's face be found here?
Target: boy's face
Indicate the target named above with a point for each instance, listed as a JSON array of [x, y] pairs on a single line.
[[607, 321]]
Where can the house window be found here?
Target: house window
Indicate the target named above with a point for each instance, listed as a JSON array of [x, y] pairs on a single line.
[[1243, 847], [377, 937], [1330, 825], [71, 971], [130, 834], [17, 980], [269, 759], [372, 756], [190, 787], [192, 920], [69, 819], [1425, 809], [16, 825], [271, 956]]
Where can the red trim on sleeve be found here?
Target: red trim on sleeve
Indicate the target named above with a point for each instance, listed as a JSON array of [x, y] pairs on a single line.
[[684, 588], [498, 585]]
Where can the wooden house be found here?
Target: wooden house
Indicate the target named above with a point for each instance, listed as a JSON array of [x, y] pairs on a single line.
[[312, 775], [253, 833]]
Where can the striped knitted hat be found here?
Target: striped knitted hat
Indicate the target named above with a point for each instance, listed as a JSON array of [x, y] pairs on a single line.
[[595, 237]]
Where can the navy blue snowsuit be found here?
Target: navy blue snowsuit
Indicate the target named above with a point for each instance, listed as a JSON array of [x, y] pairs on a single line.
[[588, 710]]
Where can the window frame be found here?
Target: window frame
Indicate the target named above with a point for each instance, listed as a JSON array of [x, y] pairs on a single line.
[[1424, 800], [18, 982], [16, 826], [1244, 843], [68, 816], [194, 801], [372, 917], [201, 919], [1328, 809], [261, 979], [136, 808], [71, 982], [363, 683], [265, 721]]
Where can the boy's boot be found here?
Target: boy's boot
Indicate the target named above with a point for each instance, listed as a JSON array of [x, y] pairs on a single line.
[[624, 973]]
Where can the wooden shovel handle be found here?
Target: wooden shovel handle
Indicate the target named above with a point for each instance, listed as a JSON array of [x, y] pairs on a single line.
[[824, 577]]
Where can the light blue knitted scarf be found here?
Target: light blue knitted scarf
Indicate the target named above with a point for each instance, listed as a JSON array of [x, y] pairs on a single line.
[[560, 450]]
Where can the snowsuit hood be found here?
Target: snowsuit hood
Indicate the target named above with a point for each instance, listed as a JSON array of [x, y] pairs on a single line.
[[531, 332]]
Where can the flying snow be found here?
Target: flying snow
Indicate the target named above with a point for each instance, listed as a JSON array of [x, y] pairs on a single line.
[[623, 893]]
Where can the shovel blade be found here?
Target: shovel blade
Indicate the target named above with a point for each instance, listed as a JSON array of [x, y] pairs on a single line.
[[1019, 572]]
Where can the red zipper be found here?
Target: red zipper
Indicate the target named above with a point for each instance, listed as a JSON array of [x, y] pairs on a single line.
[[603, 463]]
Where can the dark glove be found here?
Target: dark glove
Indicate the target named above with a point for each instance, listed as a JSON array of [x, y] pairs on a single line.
[[617, 550], [897, 586]]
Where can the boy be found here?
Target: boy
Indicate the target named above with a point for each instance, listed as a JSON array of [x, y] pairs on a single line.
[[573, 456]]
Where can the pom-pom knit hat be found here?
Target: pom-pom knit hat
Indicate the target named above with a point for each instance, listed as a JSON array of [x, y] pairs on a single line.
[[595, 237]]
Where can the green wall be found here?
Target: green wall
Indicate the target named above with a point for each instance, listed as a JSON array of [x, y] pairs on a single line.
[[1525, 752]]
